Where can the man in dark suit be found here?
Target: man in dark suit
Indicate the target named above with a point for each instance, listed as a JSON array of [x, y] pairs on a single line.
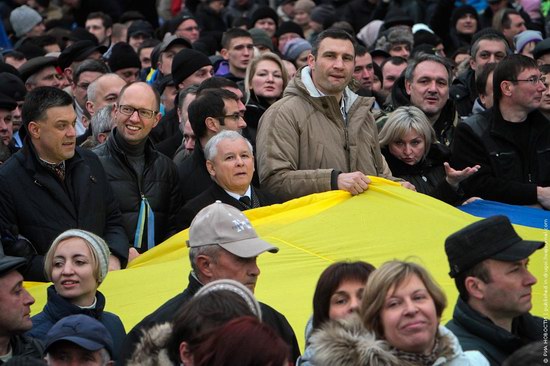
[[230, 163]]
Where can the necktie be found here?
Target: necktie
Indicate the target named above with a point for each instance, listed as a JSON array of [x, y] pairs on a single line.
[[245, 200]]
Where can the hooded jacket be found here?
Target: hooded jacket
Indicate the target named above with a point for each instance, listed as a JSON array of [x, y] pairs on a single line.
[[348, 343], [303, 138]]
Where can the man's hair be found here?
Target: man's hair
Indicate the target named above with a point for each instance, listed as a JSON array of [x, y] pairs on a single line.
[[509, 69], [211, 148], [481, 79], [423, 57], [233, 33], [102, 121], [394, 60], [493, 36], [92, 88], [154, 90], [40, 99], [148, 43], [360, 50], [479, 271], [118, 30], [182, 94], [505, 21], [334, 34], [209, 103], [43, 40], [216, 82], [544, 69], [105, 18], [15, 54], [89, 66]]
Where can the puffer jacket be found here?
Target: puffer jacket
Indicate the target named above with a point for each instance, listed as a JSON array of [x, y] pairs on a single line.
[[159, 184], [303, 138], [348, 343]]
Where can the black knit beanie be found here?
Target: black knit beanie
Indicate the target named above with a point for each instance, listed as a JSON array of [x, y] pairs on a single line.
[[262, 13], [460, 12], [122, 57], [289, 27], [186, 62]]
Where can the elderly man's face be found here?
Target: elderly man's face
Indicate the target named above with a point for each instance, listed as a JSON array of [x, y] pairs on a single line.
[[15, 305], [6, 126], [81, 87], [233, 165], [229, 266]]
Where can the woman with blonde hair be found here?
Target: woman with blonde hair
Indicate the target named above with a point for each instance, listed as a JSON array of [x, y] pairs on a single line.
[[411, 149], [77, 263], [398, 324], [265, 80]]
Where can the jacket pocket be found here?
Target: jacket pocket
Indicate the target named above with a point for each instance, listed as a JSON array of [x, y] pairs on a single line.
[[508, 165]]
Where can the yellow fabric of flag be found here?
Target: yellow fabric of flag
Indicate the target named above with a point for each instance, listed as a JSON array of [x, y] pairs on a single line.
[[386, 222]]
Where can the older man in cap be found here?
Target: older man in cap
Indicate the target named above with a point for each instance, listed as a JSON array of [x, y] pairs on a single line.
[[13, 87], [489, 261], [40, 71], [15, 309], [79, 340], [222, 245]]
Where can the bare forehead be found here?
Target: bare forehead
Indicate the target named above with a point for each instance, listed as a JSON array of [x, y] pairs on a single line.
[[430, 69], [138, 93], [336, 45], [364, 59], [231, 105]]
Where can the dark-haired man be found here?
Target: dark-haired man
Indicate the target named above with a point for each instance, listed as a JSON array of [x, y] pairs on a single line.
[[320, 136], [50, 186], [489, 261], [511, 141], [238, 52]]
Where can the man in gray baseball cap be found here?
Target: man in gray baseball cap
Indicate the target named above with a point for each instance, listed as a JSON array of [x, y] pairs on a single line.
[[15, 309], [488, 261], [222, 245]]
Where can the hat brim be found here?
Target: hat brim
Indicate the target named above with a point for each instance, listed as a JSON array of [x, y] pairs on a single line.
[[176, 41], [79, 341], [9, 263], [249, 248], [518, 251], [84, 55]]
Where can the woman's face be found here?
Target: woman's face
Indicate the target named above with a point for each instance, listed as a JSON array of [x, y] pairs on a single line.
[[73, 272], [267, 81], [346, 299], [409, 318], [410, 148]]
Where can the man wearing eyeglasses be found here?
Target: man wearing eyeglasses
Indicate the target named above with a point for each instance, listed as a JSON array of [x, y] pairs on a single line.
[[144, 181], [511, 141]]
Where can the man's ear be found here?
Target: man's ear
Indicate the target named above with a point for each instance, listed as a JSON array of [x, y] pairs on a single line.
[[224, 53], [90, 107], [408, 87], [203, 263], [33, 129], [475, 287], [311, 61], [210, 168], [211, 124], [506, 88]]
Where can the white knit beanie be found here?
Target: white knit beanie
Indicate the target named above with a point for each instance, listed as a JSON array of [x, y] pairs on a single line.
[[99, 246], [23, 19]]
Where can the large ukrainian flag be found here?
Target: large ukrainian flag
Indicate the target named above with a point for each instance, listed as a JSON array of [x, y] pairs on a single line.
[[386, 222]]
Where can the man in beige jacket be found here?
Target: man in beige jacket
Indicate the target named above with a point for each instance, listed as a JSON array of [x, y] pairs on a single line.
[[320, 136]]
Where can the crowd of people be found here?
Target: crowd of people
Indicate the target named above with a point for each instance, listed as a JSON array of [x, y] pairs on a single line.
[[123, 123]]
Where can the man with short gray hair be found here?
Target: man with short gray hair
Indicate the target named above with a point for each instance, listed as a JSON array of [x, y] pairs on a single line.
[[230, 163], [222, 245]]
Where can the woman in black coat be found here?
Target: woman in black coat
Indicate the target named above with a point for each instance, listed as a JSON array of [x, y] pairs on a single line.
[[412, 152]]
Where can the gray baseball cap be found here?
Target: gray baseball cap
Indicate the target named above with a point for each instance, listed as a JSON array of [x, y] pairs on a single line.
[[229, 228]]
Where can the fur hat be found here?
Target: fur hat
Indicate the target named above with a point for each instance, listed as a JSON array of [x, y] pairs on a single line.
[[23, 19]]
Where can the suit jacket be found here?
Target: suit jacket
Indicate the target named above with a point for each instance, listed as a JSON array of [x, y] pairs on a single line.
[[215, 192]]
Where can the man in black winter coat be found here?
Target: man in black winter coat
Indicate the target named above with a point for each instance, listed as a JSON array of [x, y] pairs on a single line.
[[222, 245], [50, 186], [145, 182]]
